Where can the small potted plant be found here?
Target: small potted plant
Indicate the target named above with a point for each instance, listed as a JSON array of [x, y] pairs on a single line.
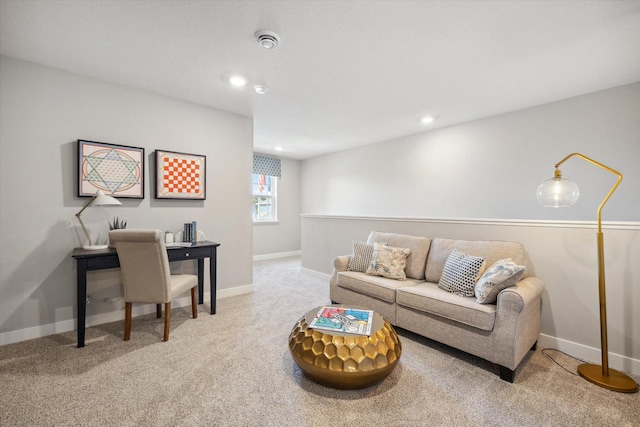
[[117, 224]]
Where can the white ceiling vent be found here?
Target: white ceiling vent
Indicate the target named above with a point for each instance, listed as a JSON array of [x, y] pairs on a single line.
[[267, 39]]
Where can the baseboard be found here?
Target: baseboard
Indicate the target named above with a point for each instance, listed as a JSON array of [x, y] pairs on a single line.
[[231, 292], [580, 351], [276, 255], [315, 273], [590, 354], [112, 316]]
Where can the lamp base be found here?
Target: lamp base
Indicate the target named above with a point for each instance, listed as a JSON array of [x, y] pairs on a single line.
[[95, 247], [616, 381]]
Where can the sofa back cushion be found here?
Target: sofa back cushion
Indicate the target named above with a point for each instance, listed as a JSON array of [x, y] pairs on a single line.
[[419, 249], [492, 250]]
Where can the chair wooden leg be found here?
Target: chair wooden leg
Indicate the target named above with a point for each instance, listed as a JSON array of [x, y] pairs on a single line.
[[167, 320], [158, 310], [127, 321], [194, 306]]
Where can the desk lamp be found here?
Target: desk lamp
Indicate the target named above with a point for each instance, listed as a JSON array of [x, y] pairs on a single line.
[[558, 192], [100, 199]]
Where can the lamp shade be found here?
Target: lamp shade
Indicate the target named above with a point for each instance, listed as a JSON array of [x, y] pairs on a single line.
[[104, 200], [557, 192]]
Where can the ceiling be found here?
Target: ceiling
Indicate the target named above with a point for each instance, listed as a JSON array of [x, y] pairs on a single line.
[[346, 73]]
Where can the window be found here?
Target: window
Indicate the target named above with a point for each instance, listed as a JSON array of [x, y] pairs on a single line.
[[264, 197], [266, 171]]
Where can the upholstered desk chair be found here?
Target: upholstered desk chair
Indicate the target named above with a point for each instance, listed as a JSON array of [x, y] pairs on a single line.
[[146, 275]]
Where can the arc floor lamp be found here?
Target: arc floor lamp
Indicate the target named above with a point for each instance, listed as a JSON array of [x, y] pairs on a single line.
[[99, 199], [559, 192]]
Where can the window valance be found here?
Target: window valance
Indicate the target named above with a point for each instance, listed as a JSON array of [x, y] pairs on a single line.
[[266, 165]]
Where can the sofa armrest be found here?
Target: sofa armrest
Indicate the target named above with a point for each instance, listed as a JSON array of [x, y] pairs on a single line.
[[517, 324], [520, 295], [340, 263]]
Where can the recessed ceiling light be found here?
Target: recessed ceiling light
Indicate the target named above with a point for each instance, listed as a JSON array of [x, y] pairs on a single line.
[[261, 89], [237, 80], [267, 39], [427, 119], [278, 148]]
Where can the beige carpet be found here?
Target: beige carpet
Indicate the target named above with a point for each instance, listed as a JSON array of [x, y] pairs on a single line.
[[234, 369]]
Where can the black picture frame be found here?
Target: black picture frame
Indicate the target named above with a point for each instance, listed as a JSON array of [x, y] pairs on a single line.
[[117, 170]]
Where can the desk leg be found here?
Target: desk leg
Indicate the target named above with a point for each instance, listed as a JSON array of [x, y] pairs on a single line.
[[82, 299], [213, 279], [200, 281]]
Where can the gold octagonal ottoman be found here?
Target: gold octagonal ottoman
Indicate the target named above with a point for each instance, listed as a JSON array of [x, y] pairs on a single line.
[[345, 360]]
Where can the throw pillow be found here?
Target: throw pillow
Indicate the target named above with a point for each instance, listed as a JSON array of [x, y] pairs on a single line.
[[501, 275], [461, 272], [361, 257], [388, 261]]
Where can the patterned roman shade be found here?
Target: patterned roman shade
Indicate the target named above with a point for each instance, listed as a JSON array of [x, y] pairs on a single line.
[[265, 165]]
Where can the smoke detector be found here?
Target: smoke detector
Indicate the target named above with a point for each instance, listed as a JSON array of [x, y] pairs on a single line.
[[261, 89], [267, 39]]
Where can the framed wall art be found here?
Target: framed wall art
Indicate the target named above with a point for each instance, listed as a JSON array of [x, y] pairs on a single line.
[[117, 170], [180, 175]]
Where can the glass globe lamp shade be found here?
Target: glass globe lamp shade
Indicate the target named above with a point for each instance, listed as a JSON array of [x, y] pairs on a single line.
[[557, 192]]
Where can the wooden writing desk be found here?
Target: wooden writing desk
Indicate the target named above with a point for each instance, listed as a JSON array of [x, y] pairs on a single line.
[[108, 258]]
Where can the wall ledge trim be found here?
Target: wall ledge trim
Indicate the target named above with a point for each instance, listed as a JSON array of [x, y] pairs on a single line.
[[611, 225]]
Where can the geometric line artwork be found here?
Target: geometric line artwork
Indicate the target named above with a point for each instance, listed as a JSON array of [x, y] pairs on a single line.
[[117, 170], [180, 175]]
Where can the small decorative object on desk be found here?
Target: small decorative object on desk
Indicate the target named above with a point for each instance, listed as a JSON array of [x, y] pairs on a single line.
[[340, 319], [168, 237], [117, 224]]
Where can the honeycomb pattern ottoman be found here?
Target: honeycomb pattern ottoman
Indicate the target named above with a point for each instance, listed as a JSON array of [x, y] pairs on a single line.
[[344, 360]]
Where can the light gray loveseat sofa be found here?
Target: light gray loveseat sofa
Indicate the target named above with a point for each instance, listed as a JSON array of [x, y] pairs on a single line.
[[502, 332]]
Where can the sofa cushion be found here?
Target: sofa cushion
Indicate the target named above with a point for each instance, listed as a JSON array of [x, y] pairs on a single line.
[[499, 276], [461, 272], [429, 298], [492, 250], [419, 247], [388, 261], [360, 257], [375, 286]]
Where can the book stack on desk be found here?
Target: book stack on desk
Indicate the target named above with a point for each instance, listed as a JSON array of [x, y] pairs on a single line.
[[190, 232]]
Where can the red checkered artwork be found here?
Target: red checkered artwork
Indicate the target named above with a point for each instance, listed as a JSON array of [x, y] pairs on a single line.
[[180, 175]]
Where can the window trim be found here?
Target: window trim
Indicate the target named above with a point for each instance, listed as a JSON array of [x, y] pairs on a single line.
[[274, 197]]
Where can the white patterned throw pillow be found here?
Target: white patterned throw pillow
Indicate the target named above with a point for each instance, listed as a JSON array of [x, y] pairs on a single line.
[[461, 272], [389, 262], [499, 276], [361, 257]]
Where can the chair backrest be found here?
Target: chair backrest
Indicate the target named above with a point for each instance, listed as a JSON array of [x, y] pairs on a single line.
[[144, 264]]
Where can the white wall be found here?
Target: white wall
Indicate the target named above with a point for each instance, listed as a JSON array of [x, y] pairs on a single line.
[[283, 236], [42, 113], [477, 181], [490, 168]]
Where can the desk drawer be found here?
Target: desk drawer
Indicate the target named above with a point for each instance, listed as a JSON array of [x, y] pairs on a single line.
[[178, 254], [103, 262]]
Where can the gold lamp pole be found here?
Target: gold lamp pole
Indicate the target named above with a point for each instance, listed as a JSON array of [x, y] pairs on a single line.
[[99, 199], [559, 192]]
